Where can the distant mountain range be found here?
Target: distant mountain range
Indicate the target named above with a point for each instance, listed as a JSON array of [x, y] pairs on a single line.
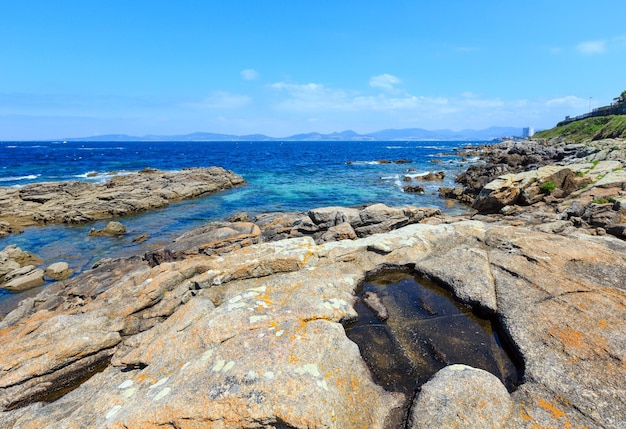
[[383, 135]]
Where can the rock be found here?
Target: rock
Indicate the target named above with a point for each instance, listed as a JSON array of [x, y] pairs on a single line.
[[239, 217], [343, 231], [141, 238], [24, 278], [58, 271], [77, 202], [112, 229], [373, 302], [216, 238], [429, 177], [467, 272], [460, 396], [157, 257], [260, 329], [327, 217], [416, 189]]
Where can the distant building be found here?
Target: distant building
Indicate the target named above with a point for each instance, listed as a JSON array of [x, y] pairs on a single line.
[[528, 132]]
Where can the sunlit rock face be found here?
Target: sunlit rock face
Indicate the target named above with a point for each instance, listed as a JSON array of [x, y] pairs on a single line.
[[256, 337]]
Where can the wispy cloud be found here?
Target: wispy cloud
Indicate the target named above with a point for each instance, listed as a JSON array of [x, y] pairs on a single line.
[[598, 47], [385, 81], [592, 47], [570, 100], [220, 100], [250, 74], [315, 96]]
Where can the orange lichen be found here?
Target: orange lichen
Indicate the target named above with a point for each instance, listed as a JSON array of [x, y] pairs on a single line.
[[554, 410], [569, 337]]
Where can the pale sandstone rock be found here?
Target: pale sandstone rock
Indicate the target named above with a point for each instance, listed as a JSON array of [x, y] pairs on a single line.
[[24, 278], [58, 271]]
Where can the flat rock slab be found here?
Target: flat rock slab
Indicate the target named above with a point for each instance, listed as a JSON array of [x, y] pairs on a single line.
[[77, 202]]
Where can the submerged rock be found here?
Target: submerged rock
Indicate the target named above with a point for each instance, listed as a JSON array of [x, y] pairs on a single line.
[[112, 229]]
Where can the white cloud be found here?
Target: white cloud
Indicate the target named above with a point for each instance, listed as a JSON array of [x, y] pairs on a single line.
[[221, 100], [569, 100], [592, 47], [385, 81], [250, 74], [315, 96]]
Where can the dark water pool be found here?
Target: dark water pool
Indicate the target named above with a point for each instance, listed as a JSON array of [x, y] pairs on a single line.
[[427, 329]]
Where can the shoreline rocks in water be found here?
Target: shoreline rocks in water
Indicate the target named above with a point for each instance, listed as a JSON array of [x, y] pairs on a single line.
[[249, 316], [19, 273], [78, 202]]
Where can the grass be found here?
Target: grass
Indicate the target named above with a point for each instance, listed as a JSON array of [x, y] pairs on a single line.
[[588, 129], [604, 200], [547, 188]]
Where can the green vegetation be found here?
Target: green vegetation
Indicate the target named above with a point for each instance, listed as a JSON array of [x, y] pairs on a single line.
[[604, 200], [580, 174], [547, 188], [597, 128]]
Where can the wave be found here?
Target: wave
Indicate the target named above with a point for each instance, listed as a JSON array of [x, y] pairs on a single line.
[[101, 148], [17, 178], [364, 162]]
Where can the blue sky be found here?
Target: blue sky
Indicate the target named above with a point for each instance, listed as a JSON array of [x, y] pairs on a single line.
[[79, 68]]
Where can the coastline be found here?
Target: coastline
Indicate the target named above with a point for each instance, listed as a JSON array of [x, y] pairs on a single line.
[[549, 265]]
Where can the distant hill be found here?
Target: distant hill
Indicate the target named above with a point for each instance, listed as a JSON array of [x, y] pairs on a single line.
[[595, 128], [348, 135]]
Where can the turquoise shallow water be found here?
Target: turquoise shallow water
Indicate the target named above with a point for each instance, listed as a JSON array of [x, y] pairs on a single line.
[[280, 176]]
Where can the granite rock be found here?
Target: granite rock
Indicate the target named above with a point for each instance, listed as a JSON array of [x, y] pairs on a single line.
[[462, 397]]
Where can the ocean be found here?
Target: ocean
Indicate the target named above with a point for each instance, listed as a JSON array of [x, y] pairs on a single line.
[[280, 176]]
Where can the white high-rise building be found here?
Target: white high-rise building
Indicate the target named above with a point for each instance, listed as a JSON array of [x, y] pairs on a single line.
[[528, 132]]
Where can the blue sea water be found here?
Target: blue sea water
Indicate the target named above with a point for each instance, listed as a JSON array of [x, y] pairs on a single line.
[[280, 176]]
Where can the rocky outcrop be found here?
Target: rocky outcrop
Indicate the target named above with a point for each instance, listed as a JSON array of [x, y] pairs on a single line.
[[322, 224], [254, 337], [512, 157], [78, 202]]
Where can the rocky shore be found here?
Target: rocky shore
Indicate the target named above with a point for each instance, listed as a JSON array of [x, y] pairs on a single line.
[[122, 195], [242, 323]]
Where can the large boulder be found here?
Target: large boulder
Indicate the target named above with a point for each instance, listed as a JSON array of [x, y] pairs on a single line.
[[462, 397]]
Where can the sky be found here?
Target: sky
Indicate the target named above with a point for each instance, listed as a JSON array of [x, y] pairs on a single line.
[[77, 68]]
